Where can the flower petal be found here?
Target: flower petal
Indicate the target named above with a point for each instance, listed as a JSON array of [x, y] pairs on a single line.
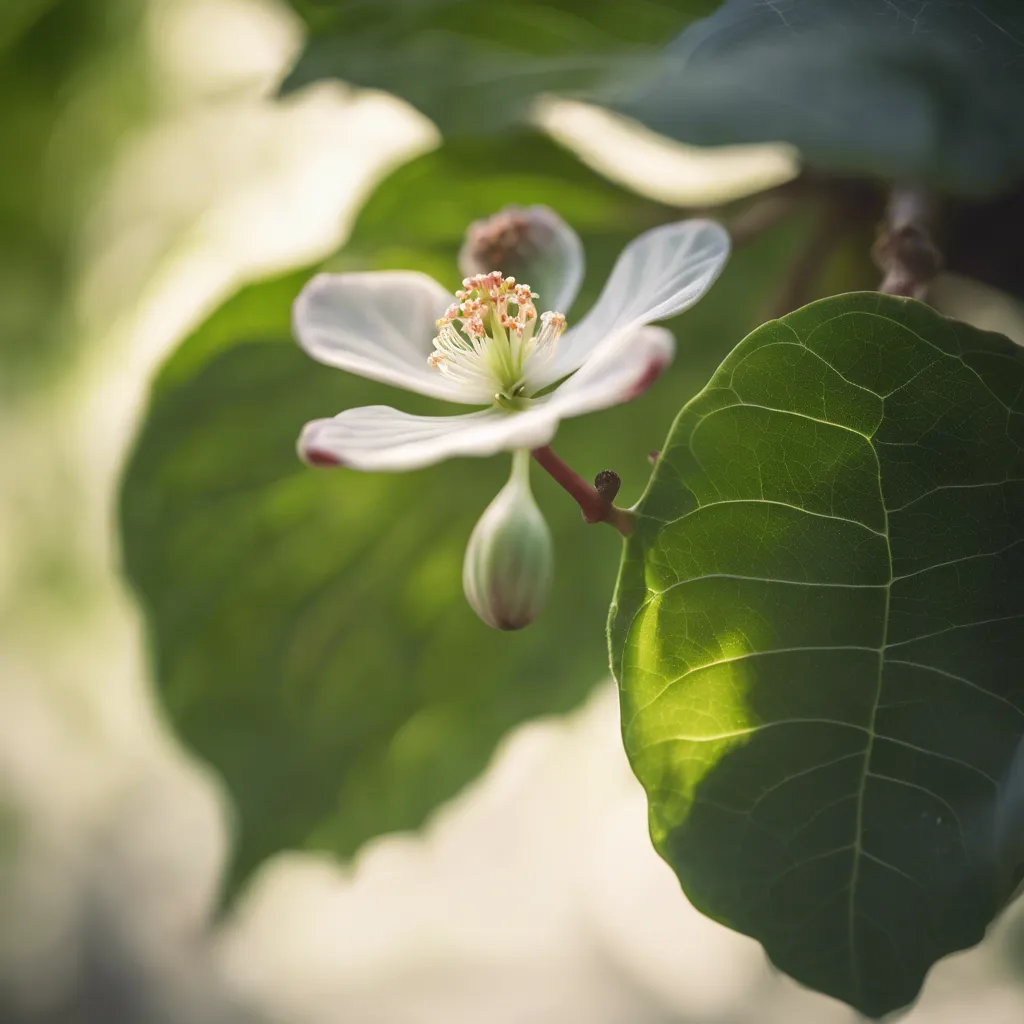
[[659, 274], [617, 373], [378, 325], [379, 438], [534, 245]]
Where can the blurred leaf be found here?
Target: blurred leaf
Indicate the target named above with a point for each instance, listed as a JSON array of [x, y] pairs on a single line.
[[11, 826], [72, 75], [819, 645], [544, 26], [17, 16], [310, 635], [927, 92], [475, 68]]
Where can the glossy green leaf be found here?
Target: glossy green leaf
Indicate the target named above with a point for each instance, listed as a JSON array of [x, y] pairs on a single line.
[[928, 92], [476, 68], [819, 639], [311, 640]]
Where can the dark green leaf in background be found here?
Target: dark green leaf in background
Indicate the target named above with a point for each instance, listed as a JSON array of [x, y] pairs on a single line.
[[475, 68], [899, 89], [311, 640], [819, 638], [18, 16]]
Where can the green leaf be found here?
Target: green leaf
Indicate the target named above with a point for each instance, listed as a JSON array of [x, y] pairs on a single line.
[[891, 88], [310, 636], [819, 638], [74, 79], [476, 68], [18, 16]]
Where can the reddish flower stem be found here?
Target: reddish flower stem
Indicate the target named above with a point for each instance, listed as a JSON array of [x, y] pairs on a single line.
[[595, 508]]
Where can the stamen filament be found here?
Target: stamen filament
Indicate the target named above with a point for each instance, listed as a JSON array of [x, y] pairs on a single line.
[[488, 339]]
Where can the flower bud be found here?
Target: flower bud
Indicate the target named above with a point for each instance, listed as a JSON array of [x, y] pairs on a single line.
[[509, 561], [531, 244]]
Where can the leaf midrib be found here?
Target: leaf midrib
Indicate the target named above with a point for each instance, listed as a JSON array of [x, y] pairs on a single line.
[[858, 846]]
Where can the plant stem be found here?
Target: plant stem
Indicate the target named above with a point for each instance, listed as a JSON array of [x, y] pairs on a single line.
[[810, 259], [595, 508], [767, 213], [905, 249]]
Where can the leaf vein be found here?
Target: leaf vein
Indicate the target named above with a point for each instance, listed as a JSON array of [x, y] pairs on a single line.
[[770, 501], [959, 561], [943, 757], [927, 792], [753, 730], [766, 579], [958, 679], [960, 625], [740, 657]]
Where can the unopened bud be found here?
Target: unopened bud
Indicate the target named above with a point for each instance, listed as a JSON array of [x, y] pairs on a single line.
[[531, 244], [607, 484], [509, 561]]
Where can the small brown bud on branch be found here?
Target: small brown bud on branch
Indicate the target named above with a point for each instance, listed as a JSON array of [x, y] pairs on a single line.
[[594, 504], [607, 484]]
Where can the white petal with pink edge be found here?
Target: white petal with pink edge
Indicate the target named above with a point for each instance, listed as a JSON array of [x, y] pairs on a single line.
[[379, 325], [379, 438], [623, 369]]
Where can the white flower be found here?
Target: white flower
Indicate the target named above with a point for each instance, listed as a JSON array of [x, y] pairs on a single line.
[[490, 346]]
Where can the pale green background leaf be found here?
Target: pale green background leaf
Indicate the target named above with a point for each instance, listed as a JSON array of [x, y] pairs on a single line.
[[310, 636], [74, 80]]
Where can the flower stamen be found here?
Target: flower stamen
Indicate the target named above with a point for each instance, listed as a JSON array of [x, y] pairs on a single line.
[[486, 337]]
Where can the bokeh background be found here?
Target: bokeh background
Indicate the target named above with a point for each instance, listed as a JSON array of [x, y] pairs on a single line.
[[150, 171]]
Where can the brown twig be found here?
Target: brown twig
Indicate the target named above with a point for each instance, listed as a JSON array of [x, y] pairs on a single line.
[[905, 250], [807, 265], [594, 505], [768, 212]]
